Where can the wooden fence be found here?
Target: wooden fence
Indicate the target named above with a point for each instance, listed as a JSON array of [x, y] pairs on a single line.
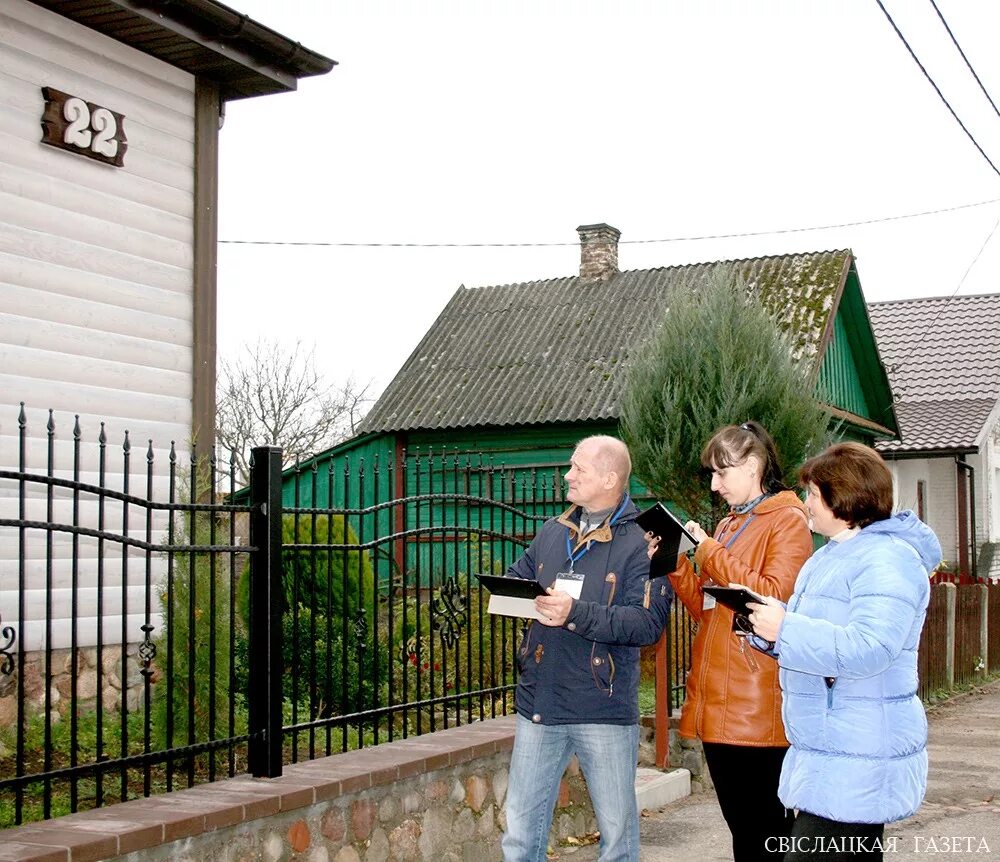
[[961, 637]]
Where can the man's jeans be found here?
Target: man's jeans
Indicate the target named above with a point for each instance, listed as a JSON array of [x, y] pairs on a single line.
[[607, 754]]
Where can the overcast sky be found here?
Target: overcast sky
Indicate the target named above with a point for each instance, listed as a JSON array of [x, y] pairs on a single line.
[[490, 122]]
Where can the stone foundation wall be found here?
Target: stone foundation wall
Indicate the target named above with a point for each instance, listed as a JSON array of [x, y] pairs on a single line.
[[434, 798], [450, 815], [688, 754], [682, 753], [60, 684]]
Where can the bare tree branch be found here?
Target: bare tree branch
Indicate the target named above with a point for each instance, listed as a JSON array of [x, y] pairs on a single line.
[[273, 396]]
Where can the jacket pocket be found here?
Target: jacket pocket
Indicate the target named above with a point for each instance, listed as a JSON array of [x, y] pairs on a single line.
[[602, 669], [610, 584]]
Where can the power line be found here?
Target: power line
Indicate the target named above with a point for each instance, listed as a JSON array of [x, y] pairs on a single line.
[[936, 88], [967, 63], [695, 238], [901, 363]]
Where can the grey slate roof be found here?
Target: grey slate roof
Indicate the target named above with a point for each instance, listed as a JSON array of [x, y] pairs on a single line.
[[943, 359], [555, 350]]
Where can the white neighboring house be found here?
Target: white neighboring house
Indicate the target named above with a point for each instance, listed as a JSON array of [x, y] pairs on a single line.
[[110, 112], [943, 359]]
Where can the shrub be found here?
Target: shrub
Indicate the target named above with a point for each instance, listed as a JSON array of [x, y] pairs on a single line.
[[194, 698], [718, 358], [479, 655], [329, 603]]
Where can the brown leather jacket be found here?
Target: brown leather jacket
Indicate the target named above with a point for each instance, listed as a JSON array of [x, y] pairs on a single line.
[[726, 700]]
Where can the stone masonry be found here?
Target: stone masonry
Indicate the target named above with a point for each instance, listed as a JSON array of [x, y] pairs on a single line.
[[61, 681], [435, 797], [598, 250]]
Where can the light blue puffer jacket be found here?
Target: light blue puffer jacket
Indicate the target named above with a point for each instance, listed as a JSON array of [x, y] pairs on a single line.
[[857, 744]]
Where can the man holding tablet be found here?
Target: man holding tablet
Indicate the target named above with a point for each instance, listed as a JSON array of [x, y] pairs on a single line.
[[577, 690]]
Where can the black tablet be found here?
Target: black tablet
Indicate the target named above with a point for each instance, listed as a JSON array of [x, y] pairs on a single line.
[[674, 539], [519, 588], [734, 597]]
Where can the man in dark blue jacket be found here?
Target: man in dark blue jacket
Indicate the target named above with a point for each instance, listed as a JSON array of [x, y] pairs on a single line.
[[578, 689]]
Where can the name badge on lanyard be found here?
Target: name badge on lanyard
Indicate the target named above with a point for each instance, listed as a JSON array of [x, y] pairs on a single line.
[[570, 582]]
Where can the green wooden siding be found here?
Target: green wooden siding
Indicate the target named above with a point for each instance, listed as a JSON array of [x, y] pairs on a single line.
[[346, 476], [851, 376], [513, 477], [542, 451], [520, 468], [839, 383]]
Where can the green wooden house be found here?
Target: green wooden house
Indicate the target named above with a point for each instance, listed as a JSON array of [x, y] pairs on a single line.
[[509, 377]]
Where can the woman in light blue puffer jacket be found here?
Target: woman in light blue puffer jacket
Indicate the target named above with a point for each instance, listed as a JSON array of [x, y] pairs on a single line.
[[847, 650]]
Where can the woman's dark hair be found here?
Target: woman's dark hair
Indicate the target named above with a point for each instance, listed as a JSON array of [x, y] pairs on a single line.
[[733, 444], [853, 481]]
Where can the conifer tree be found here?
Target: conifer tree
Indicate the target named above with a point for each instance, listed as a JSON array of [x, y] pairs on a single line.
[[719, 357]]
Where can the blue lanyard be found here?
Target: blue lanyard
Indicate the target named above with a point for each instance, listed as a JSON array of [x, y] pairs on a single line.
[[573, 559]]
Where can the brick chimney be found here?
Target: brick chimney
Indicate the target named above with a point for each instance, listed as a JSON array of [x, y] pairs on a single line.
[[598, 250]]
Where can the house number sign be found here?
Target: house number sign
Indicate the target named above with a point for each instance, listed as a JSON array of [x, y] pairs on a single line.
[[70, 123]]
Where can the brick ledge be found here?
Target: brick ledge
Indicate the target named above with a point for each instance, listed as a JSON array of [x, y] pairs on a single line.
[[103, 833]]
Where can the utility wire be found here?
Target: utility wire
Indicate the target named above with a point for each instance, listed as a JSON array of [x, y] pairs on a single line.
[[901, 363], [976, 258], [936, 88], [967, 63], [621, 242]]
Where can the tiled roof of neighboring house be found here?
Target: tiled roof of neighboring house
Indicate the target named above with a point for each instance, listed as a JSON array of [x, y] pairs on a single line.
[[947, 423], [554, 351], [943, 359]]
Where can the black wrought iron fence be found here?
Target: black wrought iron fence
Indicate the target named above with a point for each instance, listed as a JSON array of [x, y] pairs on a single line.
[[385, 586], [117, 664], [160, 627]]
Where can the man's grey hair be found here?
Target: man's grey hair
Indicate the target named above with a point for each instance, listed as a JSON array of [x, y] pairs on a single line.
[[610, 453]]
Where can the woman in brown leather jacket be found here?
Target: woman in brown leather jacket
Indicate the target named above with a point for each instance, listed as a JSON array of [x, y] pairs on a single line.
[[733, 701]]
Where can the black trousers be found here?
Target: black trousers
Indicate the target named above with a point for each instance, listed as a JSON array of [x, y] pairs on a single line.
[[746, 782], [820, 840]]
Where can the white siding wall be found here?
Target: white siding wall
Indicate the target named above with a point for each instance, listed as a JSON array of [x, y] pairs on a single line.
[[95, 300], [988, 482], [942, 505], [940, 497], [905, 475], [977, 462], [940, 474]]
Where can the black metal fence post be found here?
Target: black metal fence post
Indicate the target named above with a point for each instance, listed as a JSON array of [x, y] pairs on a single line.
[[264, 697]]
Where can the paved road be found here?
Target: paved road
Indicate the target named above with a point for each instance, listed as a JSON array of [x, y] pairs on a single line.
[[960, 817]]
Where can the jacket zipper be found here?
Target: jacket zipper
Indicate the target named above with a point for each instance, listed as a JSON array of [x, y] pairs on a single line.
[[829, 680], [704, 675], [612, 579], [719, 534]]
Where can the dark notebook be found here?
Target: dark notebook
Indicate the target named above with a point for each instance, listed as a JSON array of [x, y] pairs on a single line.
[[518, 588], [734, 597], [674, 539], [512, 597]]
